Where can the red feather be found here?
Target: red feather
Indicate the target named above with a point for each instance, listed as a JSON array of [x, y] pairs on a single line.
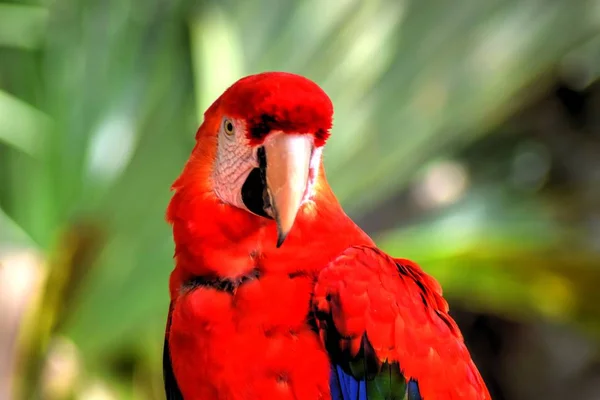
[[259, 343], [405, 318], [278, 101]]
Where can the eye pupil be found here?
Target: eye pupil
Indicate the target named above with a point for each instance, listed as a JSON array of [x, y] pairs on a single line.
[[228, 127]]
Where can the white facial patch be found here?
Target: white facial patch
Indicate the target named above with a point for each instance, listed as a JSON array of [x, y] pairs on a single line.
[[235, 159]]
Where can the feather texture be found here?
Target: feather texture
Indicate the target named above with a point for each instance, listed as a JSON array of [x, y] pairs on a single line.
[[371, 327], [278, 101], [400, 311], [172, 391]]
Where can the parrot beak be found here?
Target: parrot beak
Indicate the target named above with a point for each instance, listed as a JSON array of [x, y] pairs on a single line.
[[288, 162]]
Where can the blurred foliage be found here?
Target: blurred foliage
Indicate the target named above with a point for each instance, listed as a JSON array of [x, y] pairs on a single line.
[[99, 100]]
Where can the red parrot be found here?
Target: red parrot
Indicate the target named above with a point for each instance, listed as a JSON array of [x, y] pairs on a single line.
[[276, 292]]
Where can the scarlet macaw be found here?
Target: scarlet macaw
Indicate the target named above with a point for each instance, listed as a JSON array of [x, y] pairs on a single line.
[[276, 292]]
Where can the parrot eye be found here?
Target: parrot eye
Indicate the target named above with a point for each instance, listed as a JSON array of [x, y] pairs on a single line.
[[228, 127]]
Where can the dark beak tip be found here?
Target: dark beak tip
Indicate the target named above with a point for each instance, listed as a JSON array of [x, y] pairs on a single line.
[[281, 238]]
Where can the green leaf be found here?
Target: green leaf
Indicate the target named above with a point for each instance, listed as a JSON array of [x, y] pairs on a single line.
[[506, 258], [22, 26], [21, 125]]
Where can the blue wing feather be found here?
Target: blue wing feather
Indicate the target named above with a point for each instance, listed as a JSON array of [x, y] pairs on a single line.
[[413, 391], [344, 386]]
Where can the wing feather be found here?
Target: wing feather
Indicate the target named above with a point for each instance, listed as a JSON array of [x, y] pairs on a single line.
[[365, 296]]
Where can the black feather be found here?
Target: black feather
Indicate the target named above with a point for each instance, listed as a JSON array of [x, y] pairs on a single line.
[[171, 388]]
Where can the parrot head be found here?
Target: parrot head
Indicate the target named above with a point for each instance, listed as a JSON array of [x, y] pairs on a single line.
[[260, 145]]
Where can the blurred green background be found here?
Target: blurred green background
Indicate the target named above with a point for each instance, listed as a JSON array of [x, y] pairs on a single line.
[[466, 137]]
